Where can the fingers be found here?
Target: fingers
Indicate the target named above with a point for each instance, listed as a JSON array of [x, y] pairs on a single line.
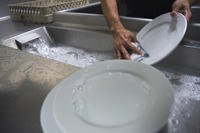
[[132, 47], [133, 38], [121, 51], [125, 53], [117, 54], [175, 9], [173, 13], [186, 12], [122, 42], [183, 8]]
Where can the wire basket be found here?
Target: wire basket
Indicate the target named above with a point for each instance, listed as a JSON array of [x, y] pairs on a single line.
[[41, 11]]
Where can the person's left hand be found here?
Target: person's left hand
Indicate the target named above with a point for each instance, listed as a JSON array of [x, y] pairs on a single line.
[[182, 6]]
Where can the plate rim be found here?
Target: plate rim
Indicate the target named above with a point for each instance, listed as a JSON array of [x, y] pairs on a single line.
[[122, 61], [156, 20]]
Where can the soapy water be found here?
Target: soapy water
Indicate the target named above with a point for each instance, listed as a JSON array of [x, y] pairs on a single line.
[[66, 54], [186, 104], [71, 55], [186, 86]]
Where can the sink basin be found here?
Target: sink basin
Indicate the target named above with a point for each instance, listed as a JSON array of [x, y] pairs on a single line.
[[69, 45], [81, 47], [89, 32]]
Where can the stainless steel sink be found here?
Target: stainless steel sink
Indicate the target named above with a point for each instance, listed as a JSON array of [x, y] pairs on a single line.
[[101, 41], [69, 45], [57, 36], [90, 32]]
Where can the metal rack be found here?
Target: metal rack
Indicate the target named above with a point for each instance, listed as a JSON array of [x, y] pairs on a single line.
[[41, 11]]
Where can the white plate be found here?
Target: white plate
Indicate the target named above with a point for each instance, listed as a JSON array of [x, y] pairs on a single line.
[[161, 36], [111, 97], [47, 120]]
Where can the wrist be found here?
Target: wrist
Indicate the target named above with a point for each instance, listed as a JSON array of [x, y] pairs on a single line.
[[116, 26]]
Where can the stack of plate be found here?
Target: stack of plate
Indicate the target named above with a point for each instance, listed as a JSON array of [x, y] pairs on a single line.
[[118, 96]]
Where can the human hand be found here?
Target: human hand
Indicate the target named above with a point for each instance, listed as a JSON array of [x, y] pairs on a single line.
[[122, 43], [182, 6]]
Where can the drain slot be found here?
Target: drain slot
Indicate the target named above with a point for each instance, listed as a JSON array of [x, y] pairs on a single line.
[[22, 40]]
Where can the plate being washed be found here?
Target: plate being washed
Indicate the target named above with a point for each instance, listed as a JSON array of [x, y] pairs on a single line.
[[116, 96], [161, 36]]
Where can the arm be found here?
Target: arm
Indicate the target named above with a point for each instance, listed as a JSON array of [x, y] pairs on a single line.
[[122, 37], [111, 14]]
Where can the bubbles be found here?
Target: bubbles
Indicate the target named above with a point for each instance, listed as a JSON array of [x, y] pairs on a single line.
[[173, 115], [80, 88], [186, 91], [188, 115], [67, 54], [78, 105], [174, 121], [77, 99], [79, 95], [146, 87]]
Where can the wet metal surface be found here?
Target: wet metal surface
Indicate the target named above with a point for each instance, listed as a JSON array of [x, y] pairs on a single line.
[[25, 80], [185, 114]]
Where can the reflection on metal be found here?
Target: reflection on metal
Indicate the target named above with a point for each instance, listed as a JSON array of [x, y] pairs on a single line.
[[4, 18]]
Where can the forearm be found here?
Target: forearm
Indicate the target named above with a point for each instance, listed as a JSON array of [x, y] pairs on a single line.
[[111, 14]]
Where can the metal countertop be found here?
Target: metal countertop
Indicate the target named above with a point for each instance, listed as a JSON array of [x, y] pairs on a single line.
[[25, 80]]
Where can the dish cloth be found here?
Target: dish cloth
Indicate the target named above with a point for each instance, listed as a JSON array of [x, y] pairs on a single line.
[[136, 57]]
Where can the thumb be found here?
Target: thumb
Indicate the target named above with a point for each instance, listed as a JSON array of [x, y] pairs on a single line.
[[175, 9]]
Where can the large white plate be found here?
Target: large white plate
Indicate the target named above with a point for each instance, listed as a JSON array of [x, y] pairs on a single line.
[[109, 97], [47, 120], [161, 36]]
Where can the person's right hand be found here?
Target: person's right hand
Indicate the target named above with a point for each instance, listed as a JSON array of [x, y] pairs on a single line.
[[122, 43]]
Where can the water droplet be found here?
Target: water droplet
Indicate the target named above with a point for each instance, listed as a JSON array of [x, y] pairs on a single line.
[[146, 88], [186, 102], [173, 115], [175, 121], [80, 87], [75, 106], [78, 104], [188, 115], [74, 92]]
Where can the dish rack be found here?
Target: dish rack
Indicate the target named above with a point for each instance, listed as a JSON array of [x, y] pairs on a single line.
[[41, 11]]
